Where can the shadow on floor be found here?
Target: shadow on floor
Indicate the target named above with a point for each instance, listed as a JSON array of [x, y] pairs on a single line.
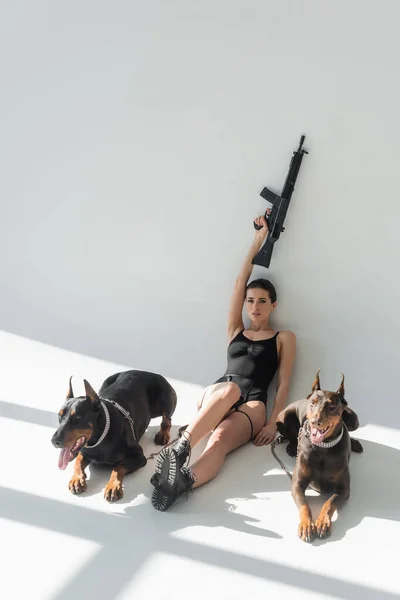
[[128, 540]]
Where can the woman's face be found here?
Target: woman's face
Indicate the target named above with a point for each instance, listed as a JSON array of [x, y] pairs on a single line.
[[258, 304]]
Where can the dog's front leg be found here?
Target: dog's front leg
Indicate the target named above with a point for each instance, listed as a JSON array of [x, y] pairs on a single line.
[[306, 529], [114, 488], [300, 481], [324, 522], [77, 485]]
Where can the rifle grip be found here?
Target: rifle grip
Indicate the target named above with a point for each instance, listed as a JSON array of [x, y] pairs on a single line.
[[258, 227]]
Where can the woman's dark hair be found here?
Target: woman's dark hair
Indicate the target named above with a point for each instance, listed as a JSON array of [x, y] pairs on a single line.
[[264, 284]]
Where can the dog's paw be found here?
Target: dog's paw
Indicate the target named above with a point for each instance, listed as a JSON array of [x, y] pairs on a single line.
[[161, 438], [306, 530], [113, 491], [78, 484], [356, 446], [291, 449], [323, 526]]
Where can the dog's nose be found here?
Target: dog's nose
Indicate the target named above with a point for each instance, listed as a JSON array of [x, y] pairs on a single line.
[[316, 422], [56, 442]]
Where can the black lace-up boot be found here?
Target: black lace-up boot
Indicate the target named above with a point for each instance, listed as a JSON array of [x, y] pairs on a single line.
[[171, 479]]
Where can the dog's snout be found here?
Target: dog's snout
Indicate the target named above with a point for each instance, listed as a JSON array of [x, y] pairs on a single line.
[[57, 443], [316, 421]]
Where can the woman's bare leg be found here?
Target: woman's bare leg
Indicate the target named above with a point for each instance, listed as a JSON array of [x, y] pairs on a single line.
[[171, 478], [217, 402], [233, 432]]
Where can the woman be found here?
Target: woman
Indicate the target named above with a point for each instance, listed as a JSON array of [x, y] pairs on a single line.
[[234, 407]]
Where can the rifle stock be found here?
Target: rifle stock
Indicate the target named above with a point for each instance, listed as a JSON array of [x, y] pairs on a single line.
[[263, 256]]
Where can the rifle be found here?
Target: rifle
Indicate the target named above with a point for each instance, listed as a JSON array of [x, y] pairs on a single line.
[[280, 205]]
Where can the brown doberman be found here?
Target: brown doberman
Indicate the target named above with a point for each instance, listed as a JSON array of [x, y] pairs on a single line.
[[317, 430]]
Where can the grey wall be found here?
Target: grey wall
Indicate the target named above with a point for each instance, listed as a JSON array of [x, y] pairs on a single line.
[[135, 139]]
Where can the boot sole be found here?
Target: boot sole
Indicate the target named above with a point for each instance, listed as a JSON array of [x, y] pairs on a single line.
[[166, 470]]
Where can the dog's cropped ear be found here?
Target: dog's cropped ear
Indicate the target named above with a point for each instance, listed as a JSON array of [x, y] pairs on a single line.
[[90, 393], [341, 388], [70, 393], [316, 385]]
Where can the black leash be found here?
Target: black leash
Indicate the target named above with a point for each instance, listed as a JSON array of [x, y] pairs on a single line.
[[279, 440], [276, 442]]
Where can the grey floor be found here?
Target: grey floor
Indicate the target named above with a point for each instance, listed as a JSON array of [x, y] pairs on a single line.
[[234, 538]]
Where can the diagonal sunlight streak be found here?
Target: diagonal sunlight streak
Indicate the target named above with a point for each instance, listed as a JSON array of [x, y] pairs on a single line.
[[27, 414], [276, 572], [61, 517], [96, 575], [130, 546]]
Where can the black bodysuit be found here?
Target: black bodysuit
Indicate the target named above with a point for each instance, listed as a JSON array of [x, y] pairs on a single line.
[[251, 365]]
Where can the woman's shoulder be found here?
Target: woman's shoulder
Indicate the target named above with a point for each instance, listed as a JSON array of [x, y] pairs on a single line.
[[286, 338], [286, 334]]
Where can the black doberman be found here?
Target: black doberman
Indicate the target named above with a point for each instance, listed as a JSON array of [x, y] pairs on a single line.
[[323, 453], [106, 428]]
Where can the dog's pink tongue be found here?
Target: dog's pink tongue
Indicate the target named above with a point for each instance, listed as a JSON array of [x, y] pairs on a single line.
[[63, 459], [317, 436]]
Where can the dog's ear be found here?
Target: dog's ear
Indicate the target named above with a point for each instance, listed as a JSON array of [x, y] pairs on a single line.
[[316, 385], [90, 393], [341, 388], [70, 393]]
